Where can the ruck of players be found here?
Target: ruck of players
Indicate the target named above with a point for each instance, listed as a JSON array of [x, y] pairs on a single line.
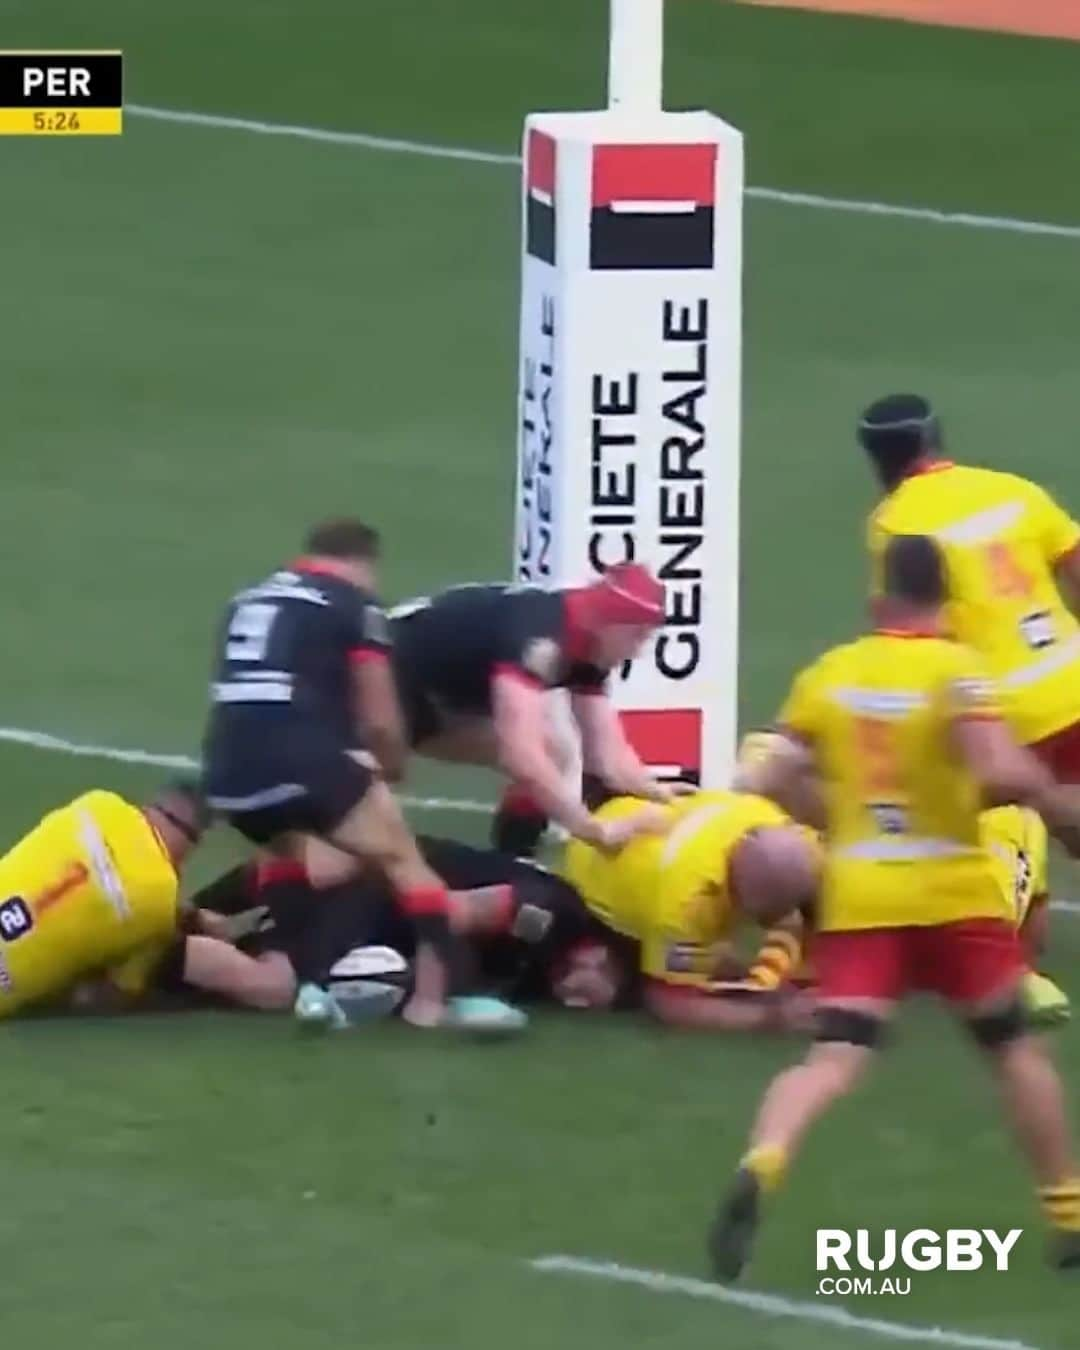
[[887, 835]]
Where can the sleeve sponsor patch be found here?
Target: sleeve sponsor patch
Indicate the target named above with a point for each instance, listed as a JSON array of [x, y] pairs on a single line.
[[684, 958], [16, 919], [541, 658], [377, 626]]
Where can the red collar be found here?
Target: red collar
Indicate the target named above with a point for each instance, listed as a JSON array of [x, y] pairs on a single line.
[[908, 632], [576, 640], [315, 567], [925, 466]]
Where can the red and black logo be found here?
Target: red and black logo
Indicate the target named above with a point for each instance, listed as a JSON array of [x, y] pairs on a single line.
[[668, 740], [540, 197], [652, 207]]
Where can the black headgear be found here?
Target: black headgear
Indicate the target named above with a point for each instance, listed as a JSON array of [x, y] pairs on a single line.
[[896, 431]]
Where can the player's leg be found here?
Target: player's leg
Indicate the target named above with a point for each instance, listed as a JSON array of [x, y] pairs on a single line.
[[375, 830], [861, 976], [493, 894], [981, 969], [1047, 1005]]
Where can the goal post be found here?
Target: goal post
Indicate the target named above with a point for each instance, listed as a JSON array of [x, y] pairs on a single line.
[[629, 383]]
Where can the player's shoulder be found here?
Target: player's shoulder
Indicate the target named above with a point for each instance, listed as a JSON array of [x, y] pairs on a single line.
[[942, 663], [535, 602], [708, 799], [955, 659], [755, 811], [985, 488], [913, 504], [99, 804], [1002, 826], [833, 663]]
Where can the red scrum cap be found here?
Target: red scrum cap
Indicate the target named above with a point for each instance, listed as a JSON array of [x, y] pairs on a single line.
[[627, 593]]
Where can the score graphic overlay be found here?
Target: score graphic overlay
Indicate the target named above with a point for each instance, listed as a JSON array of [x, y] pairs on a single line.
[[61, 93]]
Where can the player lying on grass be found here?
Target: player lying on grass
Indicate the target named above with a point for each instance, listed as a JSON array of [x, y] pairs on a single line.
[[720, 860], [530, 935], [303, 714], [1013, 569], [1014, 836], [473, 665], [572, 957], [905, 733], [93, 893]]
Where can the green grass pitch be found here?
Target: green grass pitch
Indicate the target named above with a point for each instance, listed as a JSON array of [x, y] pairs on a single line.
[[211, 337]]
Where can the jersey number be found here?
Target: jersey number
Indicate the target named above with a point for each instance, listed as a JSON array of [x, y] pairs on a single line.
[[874, 745], [249, 632], [1008, 580]]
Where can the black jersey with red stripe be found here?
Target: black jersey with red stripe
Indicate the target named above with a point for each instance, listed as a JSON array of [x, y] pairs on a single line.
[[289, 642], [452, 645]]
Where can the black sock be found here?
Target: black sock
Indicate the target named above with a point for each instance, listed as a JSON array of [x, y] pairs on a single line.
[[518, 824]]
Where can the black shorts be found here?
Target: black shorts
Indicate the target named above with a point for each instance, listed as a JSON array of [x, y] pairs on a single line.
[[420, 711], [270, 775], [427, 712]]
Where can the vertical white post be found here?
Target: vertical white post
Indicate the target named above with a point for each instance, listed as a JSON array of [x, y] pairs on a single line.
[[636, 56], [628, 432]]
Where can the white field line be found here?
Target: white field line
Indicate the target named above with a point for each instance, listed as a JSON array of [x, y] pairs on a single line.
[[811, 200], [43, 740], [772, 1305]]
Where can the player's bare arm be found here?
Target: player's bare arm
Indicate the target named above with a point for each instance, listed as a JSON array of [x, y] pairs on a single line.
[[607, 753], [1009, 773], [780, 765], [520, 719], [379, 713], [730, 1009]]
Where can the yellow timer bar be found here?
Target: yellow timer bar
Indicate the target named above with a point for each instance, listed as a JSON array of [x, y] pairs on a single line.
[[61, 93]]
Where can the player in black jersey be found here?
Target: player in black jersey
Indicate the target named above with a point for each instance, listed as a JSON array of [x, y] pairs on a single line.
[[474, 662], [555, 948], [303, 712]]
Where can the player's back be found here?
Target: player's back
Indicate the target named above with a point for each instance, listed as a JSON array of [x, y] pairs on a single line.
[[1002, 537], [286, 643], [87, 887], [651, 882], [453, 642], [903, 830]]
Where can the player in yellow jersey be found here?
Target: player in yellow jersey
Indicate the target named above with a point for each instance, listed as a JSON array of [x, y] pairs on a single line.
[[717, 859], [1013, 562], [905, 734], [1015, 838], [93, 890]]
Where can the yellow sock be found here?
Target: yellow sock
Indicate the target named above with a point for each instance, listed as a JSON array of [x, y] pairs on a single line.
[[768, 1162], [776, 960], [1061, 1205]]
